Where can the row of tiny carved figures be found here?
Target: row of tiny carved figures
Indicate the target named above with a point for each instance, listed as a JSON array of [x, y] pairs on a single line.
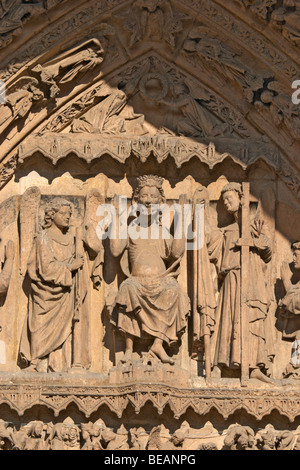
[[66, 435]]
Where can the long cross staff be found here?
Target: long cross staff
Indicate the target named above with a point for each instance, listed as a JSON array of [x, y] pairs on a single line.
[[245, 242], [76, 353]]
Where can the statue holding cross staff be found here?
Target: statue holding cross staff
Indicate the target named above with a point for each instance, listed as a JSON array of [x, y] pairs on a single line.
[[240, 251]]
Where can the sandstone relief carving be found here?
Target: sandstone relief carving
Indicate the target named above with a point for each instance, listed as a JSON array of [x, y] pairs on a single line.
[[19, 101], [59, 273], [140, 332], [66, 67], [5, 275], [153, 20], [13, 15], [68, 435], [225, 249], [150, 301], [288, 310]]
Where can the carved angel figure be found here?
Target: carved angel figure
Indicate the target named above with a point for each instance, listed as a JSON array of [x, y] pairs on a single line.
[[68, 66], [19, 101], [150, 303], [202, 41], [154, 20], [193, 120], [59, 274]]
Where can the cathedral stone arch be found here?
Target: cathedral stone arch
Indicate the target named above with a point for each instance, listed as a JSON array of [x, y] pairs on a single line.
[[182, 105]]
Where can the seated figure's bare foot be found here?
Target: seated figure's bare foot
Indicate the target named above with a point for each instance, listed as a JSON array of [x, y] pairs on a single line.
[[159, 351], [259, 375]]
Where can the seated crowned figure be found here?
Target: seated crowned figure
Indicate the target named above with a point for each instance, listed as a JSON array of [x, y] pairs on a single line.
[[150, 302]]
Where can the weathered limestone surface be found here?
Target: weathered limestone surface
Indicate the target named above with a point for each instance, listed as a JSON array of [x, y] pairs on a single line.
[[122, 122]]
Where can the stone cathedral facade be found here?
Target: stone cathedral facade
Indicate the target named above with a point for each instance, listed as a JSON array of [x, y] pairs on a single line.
[[116, 116]]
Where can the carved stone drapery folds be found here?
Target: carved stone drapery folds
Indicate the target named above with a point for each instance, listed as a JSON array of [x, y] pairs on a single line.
[[183, 105]]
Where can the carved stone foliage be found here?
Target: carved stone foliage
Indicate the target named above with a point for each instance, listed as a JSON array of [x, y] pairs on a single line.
[[68, 435]]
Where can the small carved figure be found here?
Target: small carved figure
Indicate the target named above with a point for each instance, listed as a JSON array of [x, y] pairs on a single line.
[[112, 115], [92, 435], [15, 13], [6, 436], [115, 441], [240, 438], [267, 439], [36, 436], [197, 121], [153, 20], [65, 436], [138, 439], [290, 305], [203, 42], [150, 303], [159, 439], [20, 100], [285, 440], [66, 67]]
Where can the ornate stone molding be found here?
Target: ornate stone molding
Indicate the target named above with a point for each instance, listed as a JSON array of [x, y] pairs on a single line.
[[89, 399]]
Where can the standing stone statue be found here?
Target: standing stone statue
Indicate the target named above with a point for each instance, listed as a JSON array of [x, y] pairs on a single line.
[[150, 302], [59, 284], [290, 304], [6, 273], [289, 310], [226, 254]]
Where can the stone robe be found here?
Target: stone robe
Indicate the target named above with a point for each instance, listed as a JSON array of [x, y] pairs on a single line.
[[226, 340], [154, 305], [48, 330], [289, 309]]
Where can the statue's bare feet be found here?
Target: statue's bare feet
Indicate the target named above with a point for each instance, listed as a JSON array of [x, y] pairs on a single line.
[[258, 375], [159, 351]]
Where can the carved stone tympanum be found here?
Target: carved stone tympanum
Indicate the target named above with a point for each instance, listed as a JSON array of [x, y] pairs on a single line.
[[149, 225]]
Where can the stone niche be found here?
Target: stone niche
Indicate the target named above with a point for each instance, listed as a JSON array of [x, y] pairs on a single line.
[[93, 396], [140, 341]]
